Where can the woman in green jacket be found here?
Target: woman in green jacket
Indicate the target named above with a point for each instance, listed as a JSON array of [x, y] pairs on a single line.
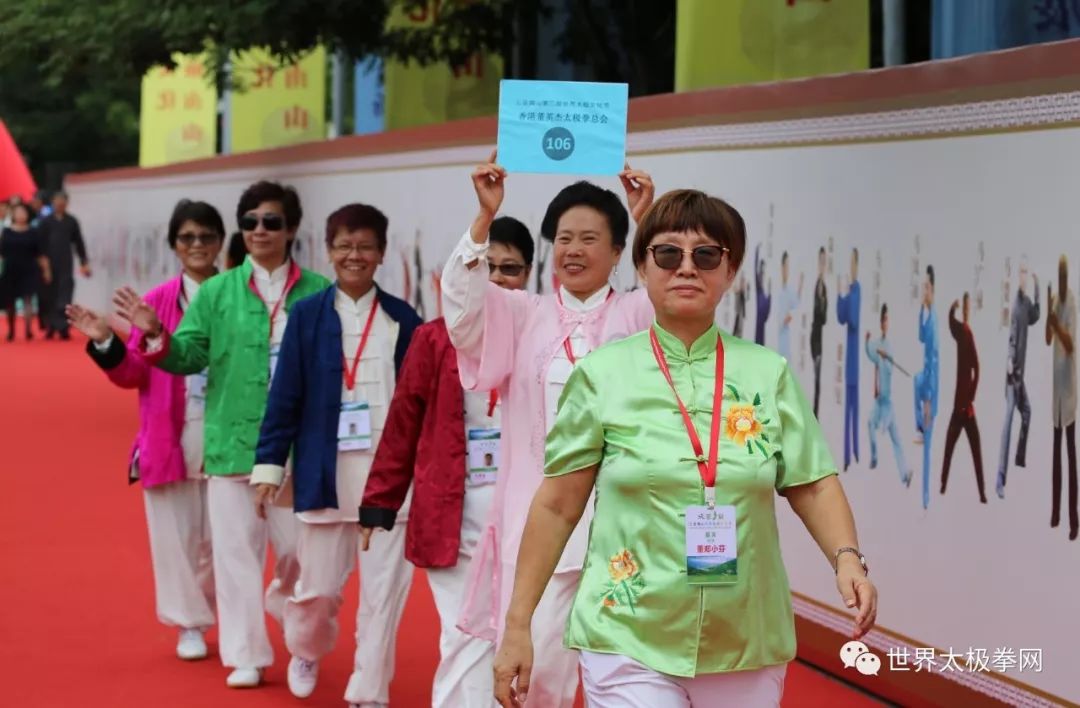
[[683, 600], [233, 329]]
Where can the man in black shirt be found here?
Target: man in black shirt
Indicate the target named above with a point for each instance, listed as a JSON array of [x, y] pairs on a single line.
[[62, 234]]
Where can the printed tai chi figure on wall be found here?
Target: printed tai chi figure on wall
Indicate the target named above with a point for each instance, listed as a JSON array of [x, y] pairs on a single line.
[[789, 301], [847, 312], [1025, 313], [884, 416], [742, 293], [1061, 335], [926, 381], [817, 324], [764, 298], [967, 382]]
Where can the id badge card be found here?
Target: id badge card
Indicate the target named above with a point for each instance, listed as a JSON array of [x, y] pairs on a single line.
[[483, 455], [275, 350], [354, 426], [711, 554]]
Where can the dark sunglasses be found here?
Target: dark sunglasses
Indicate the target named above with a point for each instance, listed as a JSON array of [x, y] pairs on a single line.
[[510, 270], [205, 238], [670, 257], [271, 222]]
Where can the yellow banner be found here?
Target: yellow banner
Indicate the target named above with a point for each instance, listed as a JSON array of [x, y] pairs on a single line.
[[421, 95], [178, 114], [725, 42], [280, 105]]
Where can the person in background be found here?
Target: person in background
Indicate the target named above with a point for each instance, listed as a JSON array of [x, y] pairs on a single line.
[[167, 456], [341, 353], [789, 302], [236, 251], [62, 234], [764, 297], [742, 294], [967, 383], [848, 314], [441, 448], [926, 381], [25, 266], [884, 416], [1025, 314], [233, 329], [1061, 335], [4, 213], [817, 324], [684, 600], [525, 346]]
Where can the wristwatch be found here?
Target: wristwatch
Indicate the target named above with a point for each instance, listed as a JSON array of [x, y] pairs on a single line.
[[849, 549]]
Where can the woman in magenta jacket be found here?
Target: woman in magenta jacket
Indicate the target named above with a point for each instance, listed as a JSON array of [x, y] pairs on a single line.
[[167, 456], [445, 443]]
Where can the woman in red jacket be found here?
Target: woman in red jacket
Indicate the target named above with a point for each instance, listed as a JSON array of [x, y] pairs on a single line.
[[446, 444]]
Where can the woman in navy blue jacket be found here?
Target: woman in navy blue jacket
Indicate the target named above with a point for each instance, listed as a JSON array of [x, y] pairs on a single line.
[[328, 403]]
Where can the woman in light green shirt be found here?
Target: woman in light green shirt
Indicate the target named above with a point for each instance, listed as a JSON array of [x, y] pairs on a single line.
[[682, 602]]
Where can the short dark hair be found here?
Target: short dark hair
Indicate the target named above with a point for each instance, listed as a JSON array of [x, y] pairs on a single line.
[[510, 232], [855, 252], [237, 250], [23, 205], [265, 191], [967, 299], [783, 258], [692, 210], [201, 213], [821, 251], [930, 273], [353, 217], [884, 311], [589, 195]]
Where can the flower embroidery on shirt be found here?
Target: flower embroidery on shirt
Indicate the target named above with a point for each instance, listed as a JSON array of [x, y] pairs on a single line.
[[743, 425], [626, 581]]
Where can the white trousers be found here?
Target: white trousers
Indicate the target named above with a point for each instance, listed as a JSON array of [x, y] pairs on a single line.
[[179, 528], [328, 555], [614, 681], [240, 539], [555, 668], [464, 677]]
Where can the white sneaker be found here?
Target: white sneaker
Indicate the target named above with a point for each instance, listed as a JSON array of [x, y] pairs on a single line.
[[244, 677], [191, 645], [303, 675]]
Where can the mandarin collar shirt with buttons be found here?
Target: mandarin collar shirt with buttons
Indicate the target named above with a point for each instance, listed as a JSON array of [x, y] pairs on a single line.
[[375, 379]]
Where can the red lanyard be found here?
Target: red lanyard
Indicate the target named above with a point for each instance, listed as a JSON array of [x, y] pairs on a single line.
[[289, 283], [569, 351], [350, 372], [566, 342], [706, 469], [493, 400]]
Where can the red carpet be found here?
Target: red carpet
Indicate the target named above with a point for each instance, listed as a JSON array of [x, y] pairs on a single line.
[[78, 625]]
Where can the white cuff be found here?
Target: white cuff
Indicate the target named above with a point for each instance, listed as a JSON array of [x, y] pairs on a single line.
[[471, 250], [268, 474], [154, 344], [104, 346]]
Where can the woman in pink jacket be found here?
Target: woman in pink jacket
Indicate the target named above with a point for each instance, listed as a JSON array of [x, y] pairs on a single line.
[[168, 452], [525, 346]]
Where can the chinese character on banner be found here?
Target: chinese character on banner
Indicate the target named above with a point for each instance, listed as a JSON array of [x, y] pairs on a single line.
[[1031, 660], [264, 76], [296, 118], [191, 133], [950, 662], [192, 101], [924, 659], [1004, 659], [295, 77], [899, 658], [166, 101], [194, 70], [977, 660]]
